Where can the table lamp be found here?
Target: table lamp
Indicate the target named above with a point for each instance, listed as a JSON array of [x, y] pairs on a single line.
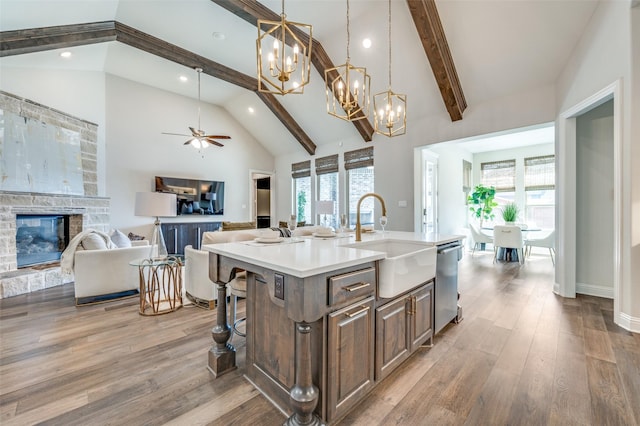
[[156, 204], [325, 207]]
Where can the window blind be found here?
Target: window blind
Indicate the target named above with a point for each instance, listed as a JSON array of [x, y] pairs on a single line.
[[358, 158], [499, 174], [328, 164], [540, 173], [301, 169]]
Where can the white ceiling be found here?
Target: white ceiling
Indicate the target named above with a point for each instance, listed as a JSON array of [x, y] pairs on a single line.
[[499, 47]]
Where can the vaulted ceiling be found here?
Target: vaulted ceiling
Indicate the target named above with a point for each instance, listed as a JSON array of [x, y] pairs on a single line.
[[498, 47]]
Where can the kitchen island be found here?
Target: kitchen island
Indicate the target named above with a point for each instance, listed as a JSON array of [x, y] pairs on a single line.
[[319, 335]]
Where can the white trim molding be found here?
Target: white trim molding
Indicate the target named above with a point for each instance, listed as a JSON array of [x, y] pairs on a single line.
[[595, 290], [565, 284], [629, 323]]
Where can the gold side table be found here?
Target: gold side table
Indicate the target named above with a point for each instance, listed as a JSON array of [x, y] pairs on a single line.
[[160, 284]]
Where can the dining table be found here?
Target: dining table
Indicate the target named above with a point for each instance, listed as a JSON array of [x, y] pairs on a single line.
[[509, 254]]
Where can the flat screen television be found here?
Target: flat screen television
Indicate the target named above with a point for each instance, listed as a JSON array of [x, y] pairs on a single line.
[[194, 196]]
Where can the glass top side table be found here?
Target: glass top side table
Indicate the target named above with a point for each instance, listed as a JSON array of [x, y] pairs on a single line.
[[160, 284]]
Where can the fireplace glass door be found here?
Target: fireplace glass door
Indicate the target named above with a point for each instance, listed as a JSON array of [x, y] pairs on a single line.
[[40, 239]]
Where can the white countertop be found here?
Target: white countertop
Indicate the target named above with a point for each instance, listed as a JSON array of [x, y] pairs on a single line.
[[311, 256]]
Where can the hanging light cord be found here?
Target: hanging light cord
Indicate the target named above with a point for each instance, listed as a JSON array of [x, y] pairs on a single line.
[[348, 33], [389, 44]]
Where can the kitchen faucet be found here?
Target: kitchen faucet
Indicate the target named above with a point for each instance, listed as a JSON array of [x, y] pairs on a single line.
[[358, 225]]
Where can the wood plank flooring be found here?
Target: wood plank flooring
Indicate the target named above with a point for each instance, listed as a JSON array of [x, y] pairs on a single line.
[[521, 356]]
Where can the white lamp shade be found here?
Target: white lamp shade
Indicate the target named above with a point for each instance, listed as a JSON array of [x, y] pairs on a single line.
[[325, 207], [211, 196], [156, 204]]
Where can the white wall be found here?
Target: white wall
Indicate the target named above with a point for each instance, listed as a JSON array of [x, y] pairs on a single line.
[[602, 57], [137, 151]]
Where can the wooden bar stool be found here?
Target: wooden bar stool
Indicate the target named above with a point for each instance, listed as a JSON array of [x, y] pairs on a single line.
[[238, 288]]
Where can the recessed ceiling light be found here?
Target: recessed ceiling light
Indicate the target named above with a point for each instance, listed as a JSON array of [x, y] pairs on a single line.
[[65, 54], [183, 78], [366, 43], [251, 110], [218, 36]]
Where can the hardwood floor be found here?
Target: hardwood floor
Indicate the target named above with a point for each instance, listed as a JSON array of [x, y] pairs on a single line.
[[522, 355]]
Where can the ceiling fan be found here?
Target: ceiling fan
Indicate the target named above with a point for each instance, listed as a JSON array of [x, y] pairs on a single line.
[[199, 139]]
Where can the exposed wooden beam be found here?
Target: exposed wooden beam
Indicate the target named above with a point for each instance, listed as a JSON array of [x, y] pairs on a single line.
[[286, 119], [31, 40], [427, 21], [251, 11], [47, 38]]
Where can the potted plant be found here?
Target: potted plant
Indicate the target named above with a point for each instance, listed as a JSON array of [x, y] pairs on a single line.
[[510, 213], [482, 202]]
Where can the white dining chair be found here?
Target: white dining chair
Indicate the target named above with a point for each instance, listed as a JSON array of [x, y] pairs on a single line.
[[548, 241], [479, 237], [508, 237]]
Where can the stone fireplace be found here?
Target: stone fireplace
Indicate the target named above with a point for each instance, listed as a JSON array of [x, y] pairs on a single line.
[[81, 211]]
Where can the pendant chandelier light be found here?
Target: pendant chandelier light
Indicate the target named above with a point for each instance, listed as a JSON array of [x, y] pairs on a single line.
[[389, 108], [348, 88], [287, 65]]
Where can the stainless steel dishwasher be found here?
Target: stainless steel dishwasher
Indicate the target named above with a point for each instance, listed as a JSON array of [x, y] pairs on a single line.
[[446, 286]]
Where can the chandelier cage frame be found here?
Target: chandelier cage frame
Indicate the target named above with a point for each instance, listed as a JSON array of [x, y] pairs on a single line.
[[277, 73], [340, 80], [390, 108]]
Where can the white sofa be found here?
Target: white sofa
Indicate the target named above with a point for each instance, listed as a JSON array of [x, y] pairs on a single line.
[[100, 274], [199, 289]]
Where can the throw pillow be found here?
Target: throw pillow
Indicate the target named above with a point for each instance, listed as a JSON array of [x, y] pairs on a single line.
[[234, 226], [93, 242], [134, 237], [119, 239]]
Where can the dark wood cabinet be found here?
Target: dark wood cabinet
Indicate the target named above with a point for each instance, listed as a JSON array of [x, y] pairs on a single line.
[[402, 325], [350, 365], [178, 235]]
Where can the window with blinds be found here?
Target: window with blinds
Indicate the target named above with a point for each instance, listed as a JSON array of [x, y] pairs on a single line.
[[301, 174], [499, 174], [301, 169], [327, 164], [540, 173], [539, 186], [327, 180], [360, 181], [358, 158]]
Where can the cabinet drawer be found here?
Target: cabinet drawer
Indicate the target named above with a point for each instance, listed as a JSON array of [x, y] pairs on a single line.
[[352, 285]]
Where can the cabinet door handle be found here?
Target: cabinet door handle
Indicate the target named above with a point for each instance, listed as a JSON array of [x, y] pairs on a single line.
[[175, 240], [412, 305], [358, 312], [357, 286]]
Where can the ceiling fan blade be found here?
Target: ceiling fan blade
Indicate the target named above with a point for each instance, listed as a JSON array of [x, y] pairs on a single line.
[[217, 136], [212, 142], [196, 133], [188, 142], [174, 134]]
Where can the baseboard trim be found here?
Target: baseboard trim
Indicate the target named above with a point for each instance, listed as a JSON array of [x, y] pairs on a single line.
[[629, 323], [594, 290]]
